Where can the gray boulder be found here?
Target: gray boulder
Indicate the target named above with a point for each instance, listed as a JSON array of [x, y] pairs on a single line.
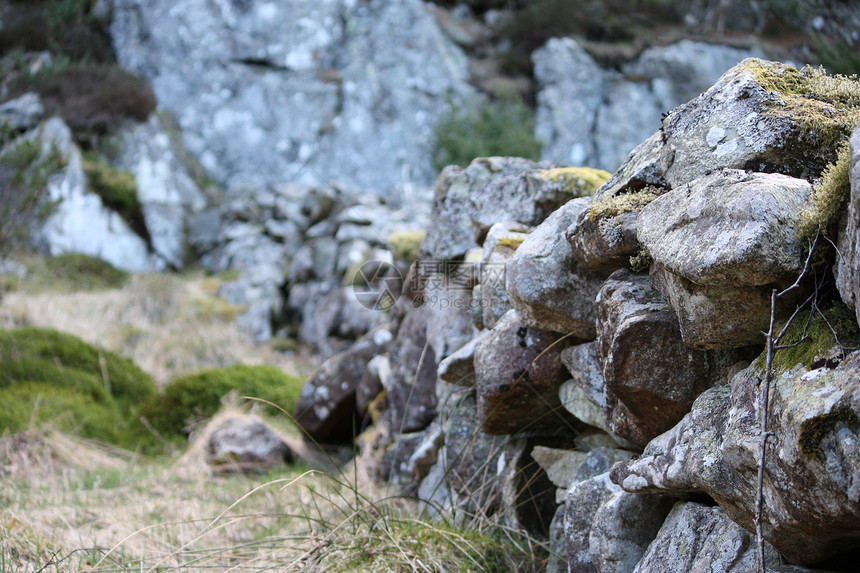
[[848, 266], [811, 499], [246, 444], [584, 395], [545, 285], [348, 74], [696, 537], [518, 372]]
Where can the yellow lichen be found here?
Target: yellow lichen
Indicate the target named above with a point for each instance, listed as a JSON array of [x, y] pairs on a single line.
[[511, 241], [576, 181], [620, 204], [406, 244]]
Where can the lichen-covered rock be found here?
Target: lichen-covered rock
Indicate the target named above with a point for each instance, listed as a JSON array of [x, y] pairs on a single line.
[[247, 444], [760, 116], [469, 201], [696, 537], [651, 377], [21, 113], [459, 367], [545, 285], [729, 228], [503, 240], [517, 373], [326, 409], [848, 265], [812, 501], [584, 395]]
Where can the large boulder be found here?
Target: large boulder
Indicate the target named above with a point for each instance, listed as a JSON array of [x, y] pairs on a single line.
[[720, 243], [848, 265], [518, 372], [545, 285], [348, 74], [812, 504], [245, 443]]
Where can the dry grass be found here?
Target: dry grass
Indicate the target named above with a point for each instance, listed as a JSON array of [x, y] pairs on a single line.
[[168, 325]]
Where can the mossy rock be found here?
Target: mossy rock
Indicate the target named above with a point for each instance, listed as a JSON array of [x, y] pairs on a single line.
[[575, 181], [614, 205], [53, 377], [198, 396], [118, 191], [405, 244]]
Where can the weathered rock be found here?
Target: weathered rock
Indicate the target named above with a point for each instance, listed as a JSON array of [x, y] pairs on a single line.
[[557, 560], [22, 113], [350, 74], [545, 285], [246, 443], [559, 465], [810, 482], [503, 240], [848, 266], [459, 367], [729, 228], [517, 373], [583, 501], [584, 395], [751, 120], [449, 320], [696, 537], [326, 409], [651, 377], [167, 193], [469, 201], [408, 459], [623, 527], [80, 222]]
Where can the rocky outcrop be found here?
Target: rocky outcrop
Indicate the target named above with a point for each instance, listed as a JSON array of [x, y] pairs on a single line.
[[247, 444], [22, 113], [591, 116], [269, 92]]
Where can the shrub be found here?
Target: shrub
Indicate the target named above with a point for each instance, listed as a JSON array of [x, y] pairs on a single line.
[[500, 128], [91, 98], [50, 376], [198, 396]]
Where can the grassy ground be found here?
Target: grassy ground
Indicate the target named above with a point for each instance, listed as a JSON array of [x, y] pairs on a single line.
[[68, 504]]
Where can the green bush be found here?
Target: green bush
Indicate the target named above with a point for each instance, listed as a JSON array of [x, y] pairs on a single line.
[[198, 396], [500, 128], [50, 376]]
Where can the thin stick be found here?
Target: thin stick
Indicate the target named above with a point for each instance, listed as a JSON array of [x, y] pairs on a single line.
[[763, 411]]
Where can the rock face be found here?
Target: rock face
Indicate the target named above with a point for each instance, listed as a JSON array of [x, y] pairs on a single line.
[[848, 267], [22, 113], [810, 484], [577, 99], [262, 90]]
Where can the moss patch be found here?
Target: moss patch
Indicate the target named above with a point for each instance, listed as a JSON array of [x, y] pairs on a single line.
[[829, 198], [620, 204], [406, 244], [118, 191], [198, 396], [512, 241], [50, 376], [642, 261], [814, 430], [577, 181], [819, 338]]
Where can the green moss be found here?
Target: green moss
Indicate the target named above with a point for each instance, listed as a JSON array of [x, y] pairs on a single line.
[[620, 204], [511, 241], [814, 430], [819, 338], [406, 244], [198, 396], [49, 376], [829, 198], [577, 181]]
